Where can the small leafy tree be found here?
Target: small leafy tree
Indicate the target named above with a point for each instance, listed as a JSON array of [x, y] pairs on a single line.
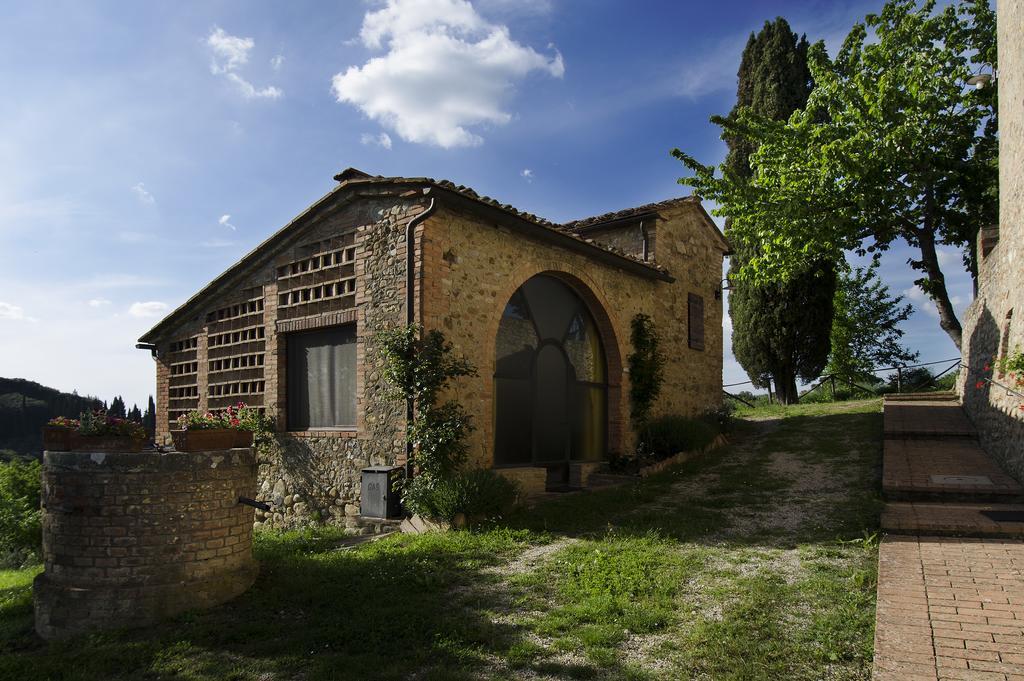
[[893, 145], [646, 370], [20, 516], [866, 329], [419, 367]]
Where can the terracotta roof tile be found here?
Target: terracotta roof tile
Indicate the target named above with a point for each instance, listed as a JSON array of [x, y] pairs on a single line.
[[571, 229], [585, 223]]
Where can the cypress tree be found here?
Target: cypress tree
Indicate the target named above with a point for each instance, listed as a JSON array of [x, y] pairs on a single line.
[[149, 418], [117, 407], [780, 331]]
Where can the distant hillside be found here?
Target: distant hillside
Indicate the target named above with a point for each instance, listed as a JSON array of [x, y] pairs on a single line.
[[26, 406]]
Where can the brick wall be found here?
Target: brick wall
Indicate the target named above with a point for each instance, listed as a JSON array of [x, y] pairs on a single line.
[[304, 474], [129, 539]]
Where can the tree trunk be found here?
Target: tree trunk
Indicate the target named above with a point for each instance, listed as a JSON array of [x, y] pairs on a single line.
[[937, 286], [785, 387]]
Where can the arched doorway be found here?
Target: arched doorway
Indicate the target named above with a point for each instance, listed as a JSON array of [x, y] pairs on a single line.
[[550, 379]]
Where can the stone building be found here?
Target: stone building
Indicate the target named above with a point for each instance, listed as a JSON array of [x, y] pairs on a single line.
[[542, 310], [994, 323]]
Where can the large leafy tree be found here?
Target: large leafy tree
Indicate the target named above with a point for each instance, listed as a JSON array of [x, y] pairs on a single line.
[[780, 328], [866, 331], [893, 145]]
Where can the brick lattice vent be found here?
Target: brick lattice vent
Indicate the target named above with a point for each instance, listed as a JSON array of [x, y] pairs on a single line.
[[132, 538]]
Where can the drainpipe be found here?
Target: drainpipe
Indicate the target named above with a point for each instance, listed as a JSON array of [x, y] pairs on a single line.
[[147, 346], [410, 302], [643, 235]]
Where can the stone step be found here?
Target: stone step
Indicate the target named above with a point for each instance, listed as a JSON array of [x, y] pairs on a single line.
[[923, 419], [954, 520], [922, 397], [945, 470]]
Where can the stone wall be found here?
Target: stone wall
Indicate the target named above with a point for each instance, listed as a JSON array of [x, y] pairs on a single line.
[[994, 323], [465, 270], [309, 475], [130, 539], [473, 268]]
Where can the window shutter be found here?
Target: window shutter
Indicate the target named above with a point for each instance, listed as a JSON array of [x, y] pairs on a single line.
[[696, 321]]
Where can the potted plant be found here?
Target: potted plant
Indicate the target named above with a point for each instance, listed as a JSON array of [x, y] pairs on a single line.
[[231, 427], [94, 430], [59, 434]]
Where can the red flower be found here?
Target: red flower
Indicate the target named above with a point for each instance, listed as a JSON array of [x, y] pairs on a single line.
[[988, 367], [979, 385]]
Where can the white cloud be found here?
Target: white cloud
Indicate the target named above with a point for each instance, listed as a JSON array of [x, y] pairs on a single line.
[[249, 91], [445, 69], [923, 303], [277, 62], [231, 53], [526, 174], [517, 7], [98, 302], [216, 243], [14, 312], [152, 308], [142, 194], [225, 221], [949, 257], [381, 140]]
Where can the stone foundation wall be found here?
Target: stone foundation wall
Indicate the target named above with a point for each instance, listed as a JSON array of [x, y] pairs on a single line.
[[994, 323], [133, 538], [312, 479]]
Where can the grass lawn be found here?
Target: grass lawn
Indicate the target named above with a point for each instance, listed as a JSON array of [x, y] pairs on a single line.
[[756, 562]]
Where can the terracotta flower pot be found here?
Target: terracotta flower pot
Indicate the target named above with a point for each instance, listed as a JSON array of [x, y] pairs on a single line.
[[57, 439], [208, 439]]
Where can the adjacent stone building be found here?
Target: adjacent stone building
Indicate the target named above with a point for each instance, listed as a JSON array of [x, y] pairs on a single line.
[[542, 310], [994, 323]]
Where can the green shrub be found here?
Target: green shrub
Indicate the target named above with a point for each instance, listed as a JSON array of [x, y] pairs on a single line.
[[20, 515], [721, 418], [669, 435], [479, 494], [947, 382]]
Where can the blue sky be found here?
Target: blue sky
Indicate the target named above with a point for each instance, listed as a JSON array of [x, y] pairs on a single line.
[[146, 146]]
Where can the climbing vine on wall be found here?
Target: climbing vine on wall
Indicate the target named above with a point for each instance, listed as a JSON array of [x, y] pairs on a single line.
[[419, 367], [646, 369]]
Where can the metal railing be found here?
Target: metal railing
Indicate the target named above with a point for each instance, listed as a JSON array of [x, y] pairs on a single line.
[[832, 379], [991, 381]]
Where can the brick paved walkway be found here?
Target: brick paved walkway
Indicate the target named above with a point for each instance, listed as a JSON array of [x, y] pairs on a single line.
[[950, 608], [941, 468], [926, 418]]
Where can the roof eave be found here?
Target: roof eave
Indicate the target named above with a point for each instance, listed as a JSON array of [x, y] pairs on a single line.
[[155, 333], [553, 236]]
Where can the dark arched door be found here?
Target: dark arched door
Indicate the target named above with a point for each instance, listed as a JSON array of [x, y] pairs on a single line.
[[550, 383]]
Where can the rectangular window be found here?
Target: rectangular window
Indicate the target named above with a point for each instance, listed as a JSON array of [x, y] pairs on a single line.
[[695, 321], [322, 378]]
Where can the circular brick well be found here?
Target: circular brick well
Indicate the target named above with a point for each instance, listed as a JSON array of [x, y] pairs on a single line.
[[132, 538]]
